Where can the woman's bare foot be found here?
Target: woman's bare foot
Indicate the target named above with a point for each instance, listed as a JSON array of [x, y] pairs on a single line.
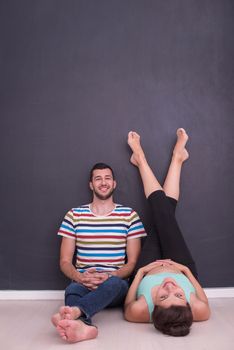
[[69, 312], [180, 153], [135, 145], [75, 330]]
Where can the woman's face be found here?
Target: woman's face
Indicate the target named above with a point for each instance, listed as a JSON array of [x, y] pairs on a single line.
[[170, 293]]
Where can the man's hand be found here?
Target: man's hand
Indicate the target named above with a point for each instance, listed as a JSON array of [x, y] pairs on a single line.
[[92, 279]]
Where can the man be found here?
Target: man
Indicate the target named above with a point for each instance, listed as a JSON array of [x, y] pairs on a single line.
[[106, 239]]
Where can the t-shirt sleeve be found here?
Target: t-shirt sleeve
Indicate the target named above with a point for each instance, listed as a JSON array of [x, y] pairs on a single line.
[[67, 228], [136, 228]]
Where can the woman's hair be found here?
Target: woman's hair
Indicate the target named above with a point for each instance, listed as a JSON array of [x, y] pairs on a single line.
[[174, 320]]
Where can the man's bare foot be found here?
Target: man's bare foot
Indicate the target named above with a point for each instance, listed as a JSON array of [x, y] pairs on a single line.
[[66, 312], [180, 153], [69, 312], [75, 330], [56, 318], [135, 145]]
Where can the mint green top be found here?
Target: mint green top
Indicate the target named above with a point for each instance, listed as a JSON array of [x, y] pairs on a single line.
[[150, 281]]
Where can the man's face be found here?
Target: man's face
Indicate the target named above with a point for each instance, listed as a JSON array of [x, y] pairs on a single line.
[[102, 184]]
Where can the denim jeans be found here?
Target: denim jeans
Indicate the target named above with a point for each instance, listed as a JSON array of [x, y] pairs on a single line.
[[110, 293]]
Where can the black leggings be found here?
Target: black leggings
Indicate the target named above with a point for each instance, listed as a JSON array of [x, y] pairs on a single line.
[[165, 241]]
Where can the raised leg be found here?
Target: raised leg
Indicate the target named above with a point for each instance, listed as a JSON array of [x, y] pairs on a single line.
[[150, 182], [172, 243], [169, 236], [172, 182]]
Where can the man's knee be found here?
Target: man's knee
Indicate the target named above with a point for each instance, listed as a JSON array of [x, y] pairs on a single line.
[[73, 288], [117, 288], [117, 284]]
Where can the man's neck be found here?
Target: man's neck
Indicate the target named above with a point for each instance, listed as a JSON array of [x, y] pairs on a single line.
[[102, 207]]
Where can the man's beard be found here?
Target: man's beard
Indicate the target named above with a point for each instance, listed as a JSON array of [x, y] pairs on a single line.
[[104, 196]]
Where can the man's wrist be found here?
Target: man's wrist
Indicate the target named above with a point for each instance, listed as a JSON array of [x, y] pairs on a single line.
[[109, 274], [78, 277]]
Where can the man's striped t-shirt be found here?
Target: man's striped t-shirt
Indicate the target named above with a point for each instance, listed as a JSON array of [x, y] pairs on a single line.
[[101, 240]]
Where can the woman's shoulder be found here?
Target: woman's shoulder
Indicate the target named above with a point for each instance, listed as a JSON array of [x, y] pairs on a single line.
[[200, 309], [138, 311]]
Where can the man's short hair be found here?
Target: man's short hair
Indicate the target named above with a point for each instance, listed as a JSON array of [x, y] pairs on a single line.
[[100, 166]]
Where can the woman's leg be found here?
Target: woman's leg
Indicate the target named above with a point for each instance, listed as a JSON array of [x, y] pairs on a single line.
[[170, 239], [172, 243], [151, 248], [150, 182], [171, 185]]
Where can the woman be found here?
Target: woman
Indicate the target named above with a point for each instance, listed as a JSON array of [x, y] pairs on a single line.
[[165, 289]]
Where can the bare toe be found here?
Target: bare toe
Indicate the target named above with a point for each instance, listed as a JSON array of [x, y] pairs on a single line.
[[70, 312], [76, 330], [182, 136], [55, 319]]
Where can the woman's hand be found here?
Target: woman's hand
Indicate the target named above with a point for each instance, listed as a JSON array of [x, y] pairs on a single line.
[[145, 269], [184, 269]]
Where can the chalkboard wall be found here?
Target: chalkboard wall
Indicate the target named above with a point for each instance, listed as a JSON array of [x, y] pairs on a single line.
[[76, 76]]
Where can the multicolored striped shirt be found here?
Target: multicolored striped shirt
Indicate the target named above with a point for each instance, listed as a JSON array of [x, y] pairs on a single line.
[[101, 240]]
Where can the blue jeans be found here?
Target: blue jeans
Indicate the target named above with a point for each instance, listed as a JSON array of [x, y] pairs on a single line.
[[112, 292]]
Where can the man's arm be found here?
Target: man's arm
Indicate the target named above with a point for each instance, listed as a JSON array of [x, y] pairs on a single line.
[[135, 232], [89, 279], [132, 251], [66, 256], [92, 279]]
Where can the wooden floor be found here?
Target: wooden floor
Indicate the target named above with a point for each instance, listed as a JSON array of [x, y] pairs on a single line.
[[25, 325]]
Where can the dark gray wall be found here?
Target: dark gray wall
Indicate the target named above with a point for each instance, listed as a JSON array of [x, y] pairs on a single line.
[[76, 76]]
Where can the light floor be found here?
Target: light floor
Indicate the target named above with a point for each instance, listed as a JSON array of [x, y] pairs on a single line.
[[25, 325]]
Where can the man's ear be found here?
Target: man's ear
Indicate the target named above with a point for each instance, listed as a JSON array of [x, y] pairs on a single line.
[[91, 186], [115, 184]]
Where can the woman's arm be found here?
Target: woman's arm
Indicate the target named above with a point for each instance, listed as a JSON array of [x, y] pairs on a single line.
[[131, 296], [199, 304], [137, 310], [132, 292], [198, 288]]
